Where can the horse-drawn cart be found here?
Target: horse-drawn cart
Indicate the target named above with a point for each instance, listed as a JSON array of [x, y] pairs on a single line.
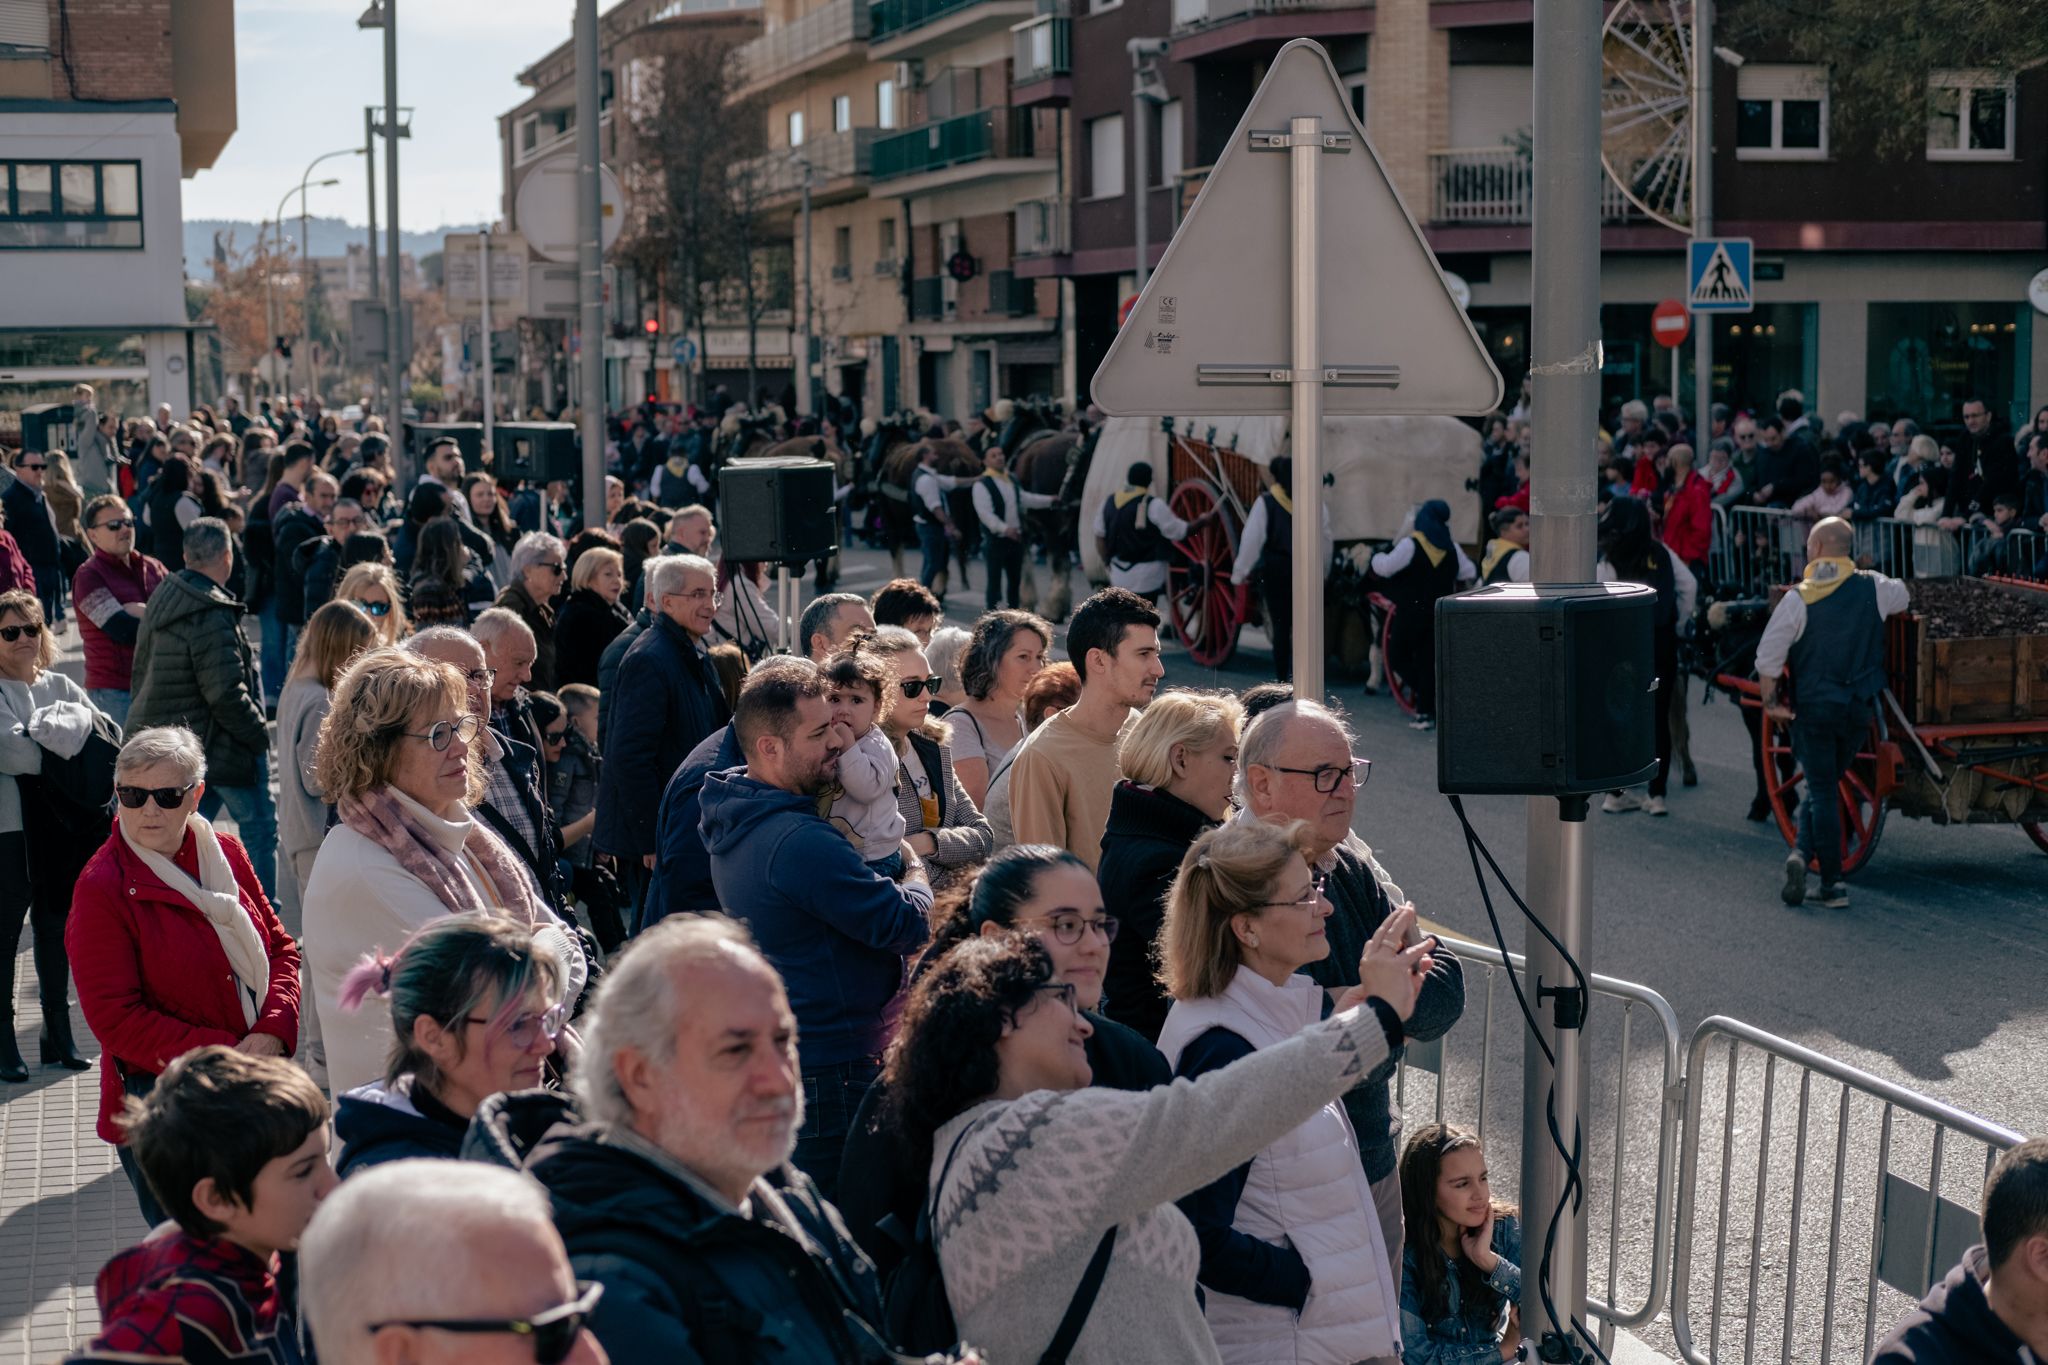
[[1962, 732]]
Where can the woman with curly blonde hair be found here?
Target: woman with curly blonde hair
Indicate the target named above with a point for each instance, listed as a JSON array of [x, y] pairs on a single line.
[[374, 588], [401, 757]]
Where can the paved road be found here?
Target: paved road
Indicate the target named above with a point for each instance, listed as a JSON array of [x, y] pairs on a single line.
[[1931, 980]]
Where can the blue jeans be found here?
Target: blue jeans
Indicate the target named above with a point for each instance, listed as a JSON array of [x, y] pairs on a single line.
[[255, 821], [1824, 744], [831, 1095], [931, 538], [112, 702], [276, 650]]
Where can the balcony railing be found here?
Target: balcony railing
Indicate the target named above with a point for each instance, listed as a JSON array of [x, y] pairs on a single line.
[[1041, 48], [928, 298], [1042, 226], [886, 18], [1497, 185], [979, 136], [833, 157], [791, 48], [1010, 297], [1193, 14]]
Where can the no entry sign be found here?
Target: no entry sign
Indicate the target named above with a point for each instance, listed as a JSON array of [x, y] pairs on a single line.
[[1670, 324]]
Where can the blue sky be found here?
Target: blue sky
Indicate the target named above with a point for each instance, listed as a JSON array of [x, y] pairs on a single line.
[[304, 72]]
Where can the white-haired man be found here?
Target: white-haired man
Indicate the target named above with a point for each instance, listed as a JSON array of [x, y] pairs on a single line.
[[540, 570], [1296, 763], [442, 1263], [675, 1191]]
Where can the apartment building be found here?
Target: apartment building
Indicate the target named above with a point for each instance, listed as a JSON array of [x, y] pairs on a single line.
[[351, 276], [102, 116]]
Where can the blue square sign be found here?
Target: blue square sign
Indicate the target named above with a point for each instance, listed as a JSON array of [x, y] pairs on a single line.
[[1720, 279]]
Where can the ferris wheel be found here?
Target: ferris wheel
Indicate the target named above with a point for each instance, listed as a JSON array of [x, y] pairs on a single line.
[[1646, 106]]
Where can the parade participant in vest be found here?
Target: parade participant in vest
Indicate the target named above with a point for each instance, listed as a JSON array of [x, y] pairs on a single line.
[[1830, 631], [1132, 532], [1507, 555], [1293, 1259], [935, 528], [999, 504], [1421, 567], [1265, 553]]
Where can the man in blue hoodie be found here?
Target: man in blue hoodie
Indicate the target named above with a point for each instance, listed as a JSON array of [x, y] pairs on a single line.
[[838, 932]]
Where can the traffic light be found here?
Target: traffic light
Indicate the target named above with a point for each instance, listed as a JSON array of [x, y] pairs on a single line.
[[653, 326]]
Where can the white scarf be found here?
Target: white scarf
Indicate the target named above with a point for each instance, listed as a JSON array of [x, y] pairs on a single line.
[[217, 896]]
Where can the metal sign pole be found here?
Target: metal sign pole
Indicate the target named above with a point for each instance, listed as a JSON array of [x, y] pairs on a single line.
[[589, 264], [1565, 401], [1703, 216], [483, 274], [1305, 150]]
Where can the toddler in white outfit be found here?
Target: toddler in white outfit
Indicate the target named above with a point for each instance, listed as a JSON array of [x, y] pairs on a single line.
[[866, 810]]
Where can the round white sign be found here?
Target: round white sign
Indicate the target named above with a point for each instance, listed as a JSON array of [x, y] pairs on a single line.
[[545, 207], [1460, 291], [2037, 292]]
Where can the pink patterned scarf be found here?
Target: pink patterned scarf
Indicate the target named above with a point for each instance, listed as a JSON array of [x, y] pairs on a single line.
[[382, 818]]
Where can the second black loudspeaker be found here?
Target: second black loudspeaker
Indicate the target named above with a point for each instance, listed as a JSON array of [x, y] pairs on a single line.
[[1546, 691], [537, 452], [777, 511]]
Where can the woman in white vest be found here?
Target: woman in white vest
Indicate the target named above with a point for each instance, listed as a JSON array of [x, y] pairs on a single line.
[[1294, 1266]]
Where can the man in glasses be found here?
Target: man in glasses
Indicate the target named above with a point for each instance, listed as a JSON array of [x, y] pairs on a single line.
[[318, 560], [111, 591], [194, 667], [35, 530], [443, 1263], [1296, 762]]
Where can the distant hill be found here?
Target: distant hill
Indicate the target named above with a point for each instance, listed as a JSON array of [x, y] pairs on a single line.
[[329, 236]]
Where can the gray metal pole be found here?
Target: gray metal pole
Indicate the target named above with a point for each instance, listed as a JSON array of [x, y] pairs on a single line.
[[1141, 158], [1565, 400], [370, 181], [263, 253], [804, 404], [1305, 152], [394, 310], [483, 270], [1702, 213], [305, 338], [590, 263]]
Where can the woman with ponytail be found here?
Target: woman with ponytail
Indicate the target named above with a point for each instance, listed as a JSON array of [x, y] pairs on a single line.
[[1049, 894], [472, 1015]]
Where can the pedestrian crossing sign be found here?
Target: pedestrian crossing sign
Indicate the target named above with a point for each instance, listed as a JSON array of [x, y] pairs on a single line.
[[1720, 279]]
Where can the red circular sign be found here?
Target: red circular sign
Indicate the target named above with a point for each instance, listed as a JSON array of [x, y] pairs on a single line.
[[1670, 324], [1123, 311]]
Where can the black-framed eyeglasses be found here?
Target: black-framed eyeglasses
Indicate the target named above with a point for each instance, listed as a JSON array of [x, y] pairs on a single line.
[[521, 1032], [442, 731], [553, 1333], [1068, 996], [170, 798], [375, 608], [1068, 925], [12, 633], [913, 687], [117, 524], [1316, 878], [1329, 775]]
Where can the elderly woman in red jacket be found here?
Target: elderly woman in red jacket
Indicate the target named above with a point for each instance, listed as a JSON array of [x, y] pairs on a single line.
[[172, 943]]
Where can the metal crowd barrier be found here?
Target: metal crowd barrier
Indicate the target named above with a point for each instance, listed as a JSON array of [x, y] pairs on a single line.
[[1758, 548], [1480, 959], [1916, 1232]]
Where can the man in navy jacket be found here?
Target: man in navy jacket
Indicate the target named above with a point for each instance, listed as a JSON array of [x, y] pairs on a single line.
[[837, 931]]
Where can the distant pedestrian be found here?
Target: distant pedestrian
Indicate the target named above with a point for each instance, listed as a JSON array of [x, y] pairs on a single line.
[[111, 591]]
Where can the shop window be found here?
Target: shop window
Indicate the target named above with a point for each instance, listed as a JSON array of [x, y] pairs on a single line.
[[1781, 113], [1923, 359], [46, 205], [1969, 116], [1759, 355]]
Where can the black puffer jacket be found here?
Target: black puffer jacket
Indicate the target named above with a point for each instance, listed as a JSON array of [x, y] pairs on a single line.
[[194, 667], [1147, 835], [684, 1281], [296, 525]]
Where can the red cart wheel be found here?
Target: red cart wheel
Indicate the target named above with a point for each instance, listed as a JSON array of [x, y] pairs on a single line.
[[1199, 597], [2038, 833], [1862, 811], [1403, 692]]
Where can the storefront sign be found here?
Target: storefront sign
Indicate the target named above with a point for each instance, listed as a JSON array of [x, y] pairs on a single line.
[[2037, 292]]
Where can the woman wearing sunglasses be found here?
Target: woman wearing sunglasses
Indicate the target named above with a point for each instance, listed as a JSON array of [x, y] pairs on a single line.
[[471, 1002], [1031, 888], [1294, 1265], [401, 757], [41, 851], [940, 820], [172, 941], [374, 588]]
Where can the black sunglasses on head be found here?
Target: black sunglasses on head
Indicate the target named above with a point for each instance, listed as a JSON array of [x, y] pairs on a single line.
[[914, 686], [553, 1333], [170, 798]]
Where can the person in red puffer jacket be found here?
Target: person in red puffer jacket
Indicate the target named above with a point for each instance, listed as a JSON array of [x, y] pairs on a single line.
[[110, 590], [1688, 512], [236, 1147]]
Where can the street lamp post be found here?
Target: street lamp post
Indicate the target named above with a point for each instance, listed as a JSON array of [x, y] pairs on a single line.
[[276, 227], [804, 403], [590, 261], [383, 14], [306, 256]]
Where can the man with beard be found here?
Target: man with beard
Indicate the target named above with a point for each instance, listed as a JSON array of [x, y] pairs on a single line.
[[836, 930], [670, 1181]]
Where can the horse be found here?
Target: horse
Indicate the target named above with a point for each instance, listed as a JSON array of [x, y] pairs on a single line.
[[1045, 458], [895, 474]]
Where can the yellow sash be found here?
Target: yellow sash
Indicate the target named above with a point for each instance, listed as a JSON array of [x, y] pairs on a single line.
[[1496, 551], [1823, 576], [1123, 498], [1280, 496], [1436, 556]]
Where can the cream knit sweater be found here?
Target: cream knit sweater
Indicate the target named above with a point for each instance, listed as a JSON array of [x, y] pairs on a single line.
[[1039, 1180]]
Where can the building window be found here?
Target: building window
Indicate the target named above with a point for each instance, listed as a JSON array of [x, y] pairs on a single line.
[[842, 253], [1098, 6], [1170, 161], [1969, 116], [1106, 157], [46, 205], [885, 255], [1924, 359], [885, 104], [1781, 113], [1354, 89], [796, 127], [25, 24], [842, 113]]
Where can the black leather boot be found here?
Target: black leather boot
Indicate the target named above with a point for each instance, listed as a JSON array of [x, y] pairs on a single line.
[[12, 1068], [53, 977]]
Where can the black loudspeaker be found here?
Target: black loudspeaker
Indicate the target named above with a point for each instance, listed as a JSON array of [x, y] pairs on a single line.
[[469, 438], [777, 511], [537, 452], [1545, 691], [47, 427]]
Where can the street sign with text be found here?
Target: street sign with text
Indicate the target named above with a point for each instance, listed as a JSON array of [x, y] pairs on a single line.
[[460, 259]]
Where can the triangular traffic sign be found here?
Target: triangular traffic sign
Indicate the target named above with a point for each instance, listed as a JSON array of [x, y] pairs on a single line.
[[1220, 297]]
